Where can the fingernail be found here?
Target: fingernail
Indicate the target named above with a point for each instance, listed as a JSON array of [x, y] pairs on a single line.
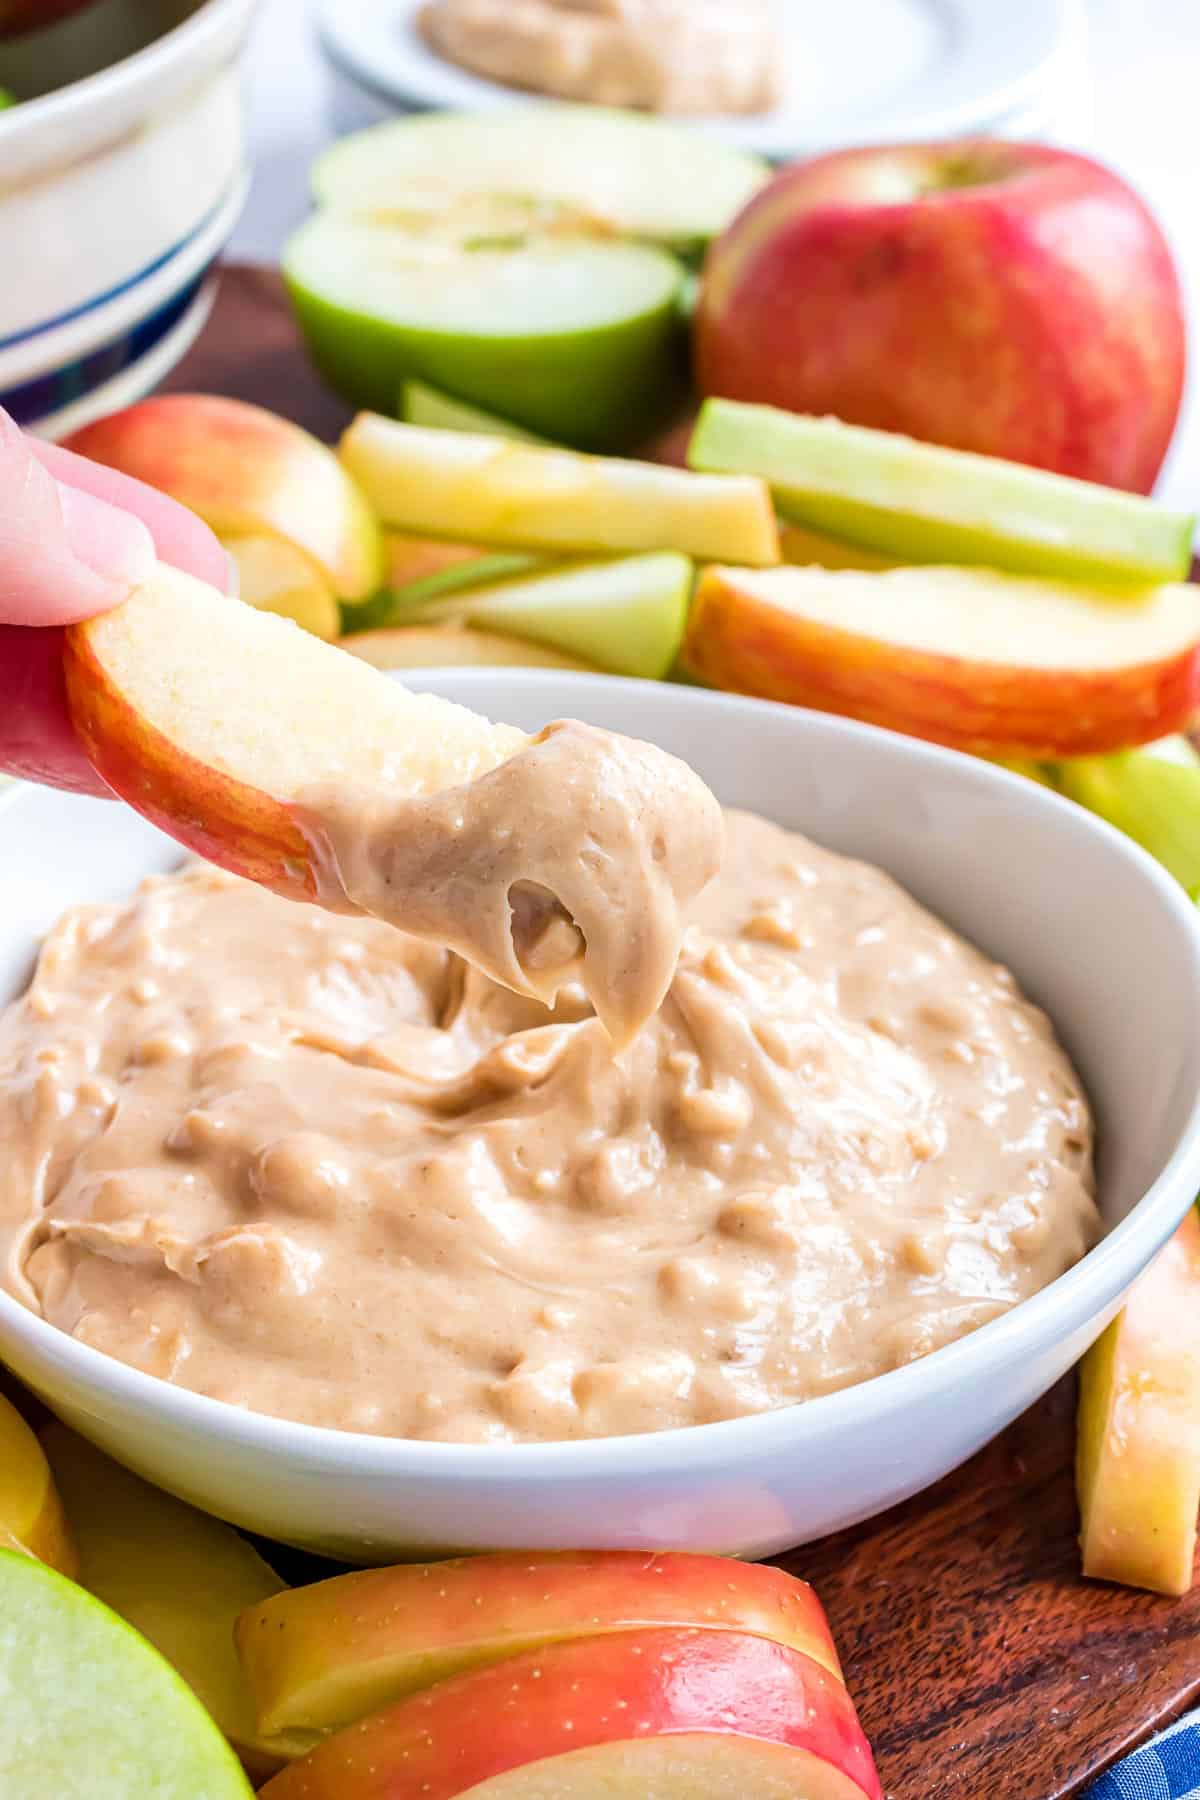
[[112, 543]]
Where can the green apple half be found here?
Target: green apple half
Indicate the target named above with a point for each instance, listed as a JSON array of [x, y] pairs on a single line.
[[926, 504], [91, 1711], [576, 338], [563, 166], [518, 259]]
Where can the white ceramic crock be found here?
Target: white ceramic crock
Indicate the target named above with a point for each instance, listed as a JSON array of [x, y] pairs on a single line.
[[1095, 931], [116, 194]]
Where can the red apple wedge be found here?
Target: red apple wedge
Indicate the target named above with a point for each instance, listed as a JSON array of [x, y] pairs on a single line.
[[320, 1656], [680, 1714], [246, 471], [211, 719], [998, 664]]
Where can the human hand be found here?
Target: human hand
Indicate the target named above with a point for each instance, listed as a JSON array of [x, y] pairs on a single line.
[[75, 539]]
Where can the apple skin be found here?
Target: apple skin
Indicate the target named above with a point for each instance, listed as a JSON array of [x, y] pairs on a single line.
[[318, 1657], [1011, 299], [230, 823], [591, 1691], [213, 720], [739, 641], [245, 470], [1138, 1460]]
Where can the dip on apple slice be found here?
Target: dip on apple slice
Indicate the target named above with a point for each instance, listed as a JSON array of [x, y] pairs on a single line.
[[568, 856]]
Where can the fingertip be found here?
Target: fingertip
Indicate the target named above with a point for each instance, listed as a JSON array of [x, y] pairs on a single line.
[[113, 544]]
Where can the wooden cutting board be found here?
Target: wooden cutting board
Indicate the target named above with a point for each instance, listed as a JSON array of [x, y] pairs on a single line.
[[982, 1666]]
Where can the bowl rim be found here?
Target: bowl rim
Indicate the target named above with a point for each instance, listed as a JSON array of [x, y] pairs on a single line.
[[41, 132], [1083, 1293]]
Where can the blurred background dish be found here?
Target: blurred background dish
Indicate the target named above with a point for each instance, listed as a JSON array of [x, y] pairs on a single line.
[[55, 380], [142, 359], [864, 70], [125, 165]]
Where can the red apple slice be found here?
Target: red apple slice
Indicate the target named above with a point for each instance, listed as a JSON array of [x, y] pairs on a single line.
[[576, 1721], [681, 1766], [320, 1656], [998, 664], [246, 471], [210, 718]]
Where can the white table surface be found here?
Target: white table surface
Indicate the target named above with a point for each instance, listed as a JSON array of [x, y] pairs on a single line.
[[1135, 102]]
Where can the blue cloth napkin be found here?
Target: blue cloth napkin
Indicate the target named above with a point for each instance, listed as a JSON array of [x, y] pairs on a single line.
[[1167, 1768]]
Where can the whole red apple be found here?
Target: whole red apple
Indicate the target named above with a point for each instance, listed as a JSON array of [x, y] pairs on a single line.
[[1006, 298]]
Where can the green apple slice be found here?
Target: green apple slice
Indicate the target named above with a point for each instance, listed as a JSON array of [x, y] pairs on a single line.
[[926, 504], [450, 484], [559, 165], [91, 1710], [1152, 795], [626, 616], [421, 404], [576, 338], [402, 605]]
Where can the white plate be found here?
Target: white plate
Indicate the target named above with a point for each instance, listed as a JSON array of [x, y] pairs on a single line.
[[859, 70]]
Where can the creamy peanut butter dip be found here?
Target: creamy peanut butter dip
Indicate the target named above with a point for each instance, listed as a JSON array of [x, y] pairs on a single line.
[[668, 56], [575, 855], [320, 1168]]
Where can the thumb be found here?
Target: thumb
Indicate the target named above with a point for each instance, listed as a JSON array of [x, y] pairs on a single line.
[[64, 554]]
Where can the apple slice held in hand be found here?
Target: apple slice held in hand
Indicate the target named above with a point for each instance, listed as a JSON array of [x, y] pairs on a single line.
[[682, 1714], [1138, 1457], [922, 503], [224, 776], [458, 485], [319, 1657], [246, 471], [1001, 665], [91, 1710]]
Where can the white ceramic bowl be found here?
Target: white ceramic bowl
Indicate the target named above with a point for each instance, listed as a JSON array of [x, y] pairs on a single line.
[[118, 191], [1096, 933]]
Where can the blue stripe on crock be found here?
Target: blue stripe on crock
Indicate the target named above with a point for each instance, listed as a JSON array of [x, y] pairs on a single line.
[[33, 400], [122, 287]]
